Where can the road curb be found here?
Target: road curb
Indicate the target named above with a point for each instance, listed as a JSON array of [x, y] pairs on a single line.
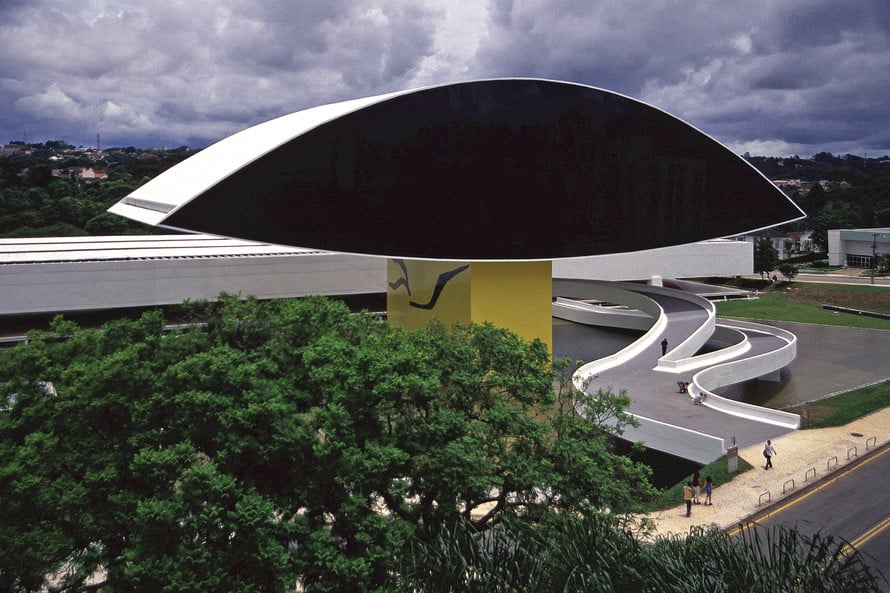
[[772, 507]]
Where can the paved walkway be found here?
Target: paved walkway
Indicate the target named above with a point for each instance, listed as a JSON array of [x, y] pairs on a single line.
[[655, 395], [797, 454], [653, 387], [830, 360]]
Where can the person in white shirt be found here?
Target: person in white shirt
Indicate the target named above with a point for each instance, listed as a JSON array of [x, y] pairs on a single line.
[[768, 452]]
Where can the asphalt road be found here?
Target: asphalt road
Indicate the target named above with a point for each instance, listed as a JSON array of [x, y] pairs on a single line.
[[853, 504]]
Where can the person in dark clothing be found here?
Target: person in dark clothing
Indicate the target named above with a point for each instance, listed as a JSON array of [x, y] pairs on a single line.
[[768, 452], [664, 346]]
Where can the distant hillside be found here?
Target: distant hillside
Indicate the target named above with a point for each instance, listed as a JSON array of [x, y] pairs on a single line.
[[822, 167]]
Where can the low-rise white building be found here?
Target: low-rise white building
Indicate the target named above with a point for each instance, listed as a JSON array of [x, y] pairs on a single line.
[[857, 248], [79, 274], [71, 274]]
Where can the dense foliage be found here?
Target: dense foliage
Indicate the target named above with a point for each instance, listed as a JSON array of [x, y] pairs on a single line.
[[599, 554], [864, 201], [36, 203], [823, 165], [283, 441]]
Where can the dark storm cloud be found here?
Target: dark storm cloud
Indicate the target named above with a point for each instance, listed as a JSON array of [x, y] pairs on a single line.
[[168, 71], [789, 77], [767, 76]]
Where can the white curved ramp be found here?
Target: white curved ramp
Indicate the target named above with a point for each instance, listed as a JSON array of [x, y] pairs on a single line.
[[670, 421]]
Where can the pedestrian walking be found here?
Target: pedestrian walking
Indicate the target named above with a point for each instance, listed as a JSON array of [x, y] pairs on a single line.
[[696, 488], [768, 452], [664, 346], [688, 493], [709, 488]]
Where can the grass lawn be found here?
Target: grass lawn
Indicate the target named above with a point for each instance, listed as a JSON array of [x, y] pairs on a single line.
[[844, 408], [802, 303]]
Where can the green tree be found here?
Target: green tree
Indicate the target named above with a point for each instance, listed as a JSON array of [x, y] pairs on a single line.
[[283, 441], [40, 175], [106, 223], [60, 188], [766, 256], [68, 210], [788, 270], [814, 201], [836, 214]]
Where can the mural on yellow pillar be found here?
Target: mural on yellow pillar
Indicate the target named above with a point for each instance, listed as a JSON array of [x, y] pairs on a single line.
[[514, 295], [421, 290]]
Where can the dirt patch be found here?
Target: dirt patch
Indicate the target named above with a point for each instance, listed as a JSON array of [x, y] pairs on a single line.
[[812, 414], [877, 300]]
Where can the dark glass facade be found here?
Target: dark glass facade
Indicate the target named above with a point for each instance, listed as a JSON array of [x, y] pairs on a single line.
[[492, 170]]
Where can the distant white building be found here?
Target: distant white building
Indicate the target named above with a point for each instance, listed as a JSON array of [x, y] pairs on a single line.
[[857, 248], [787, 244]]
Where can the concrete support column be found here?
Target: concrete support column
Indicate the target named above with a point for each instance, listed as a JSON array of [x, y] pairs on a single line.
[[512, 295]]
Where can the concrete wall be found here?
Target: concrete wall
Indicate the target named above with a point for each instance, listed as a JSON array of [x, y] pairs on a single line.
[[95, 285], [600, 316], [695, 260], [837, 254], [743, 369], [688, 444], [612, 293], [696, 339], [736, 344]]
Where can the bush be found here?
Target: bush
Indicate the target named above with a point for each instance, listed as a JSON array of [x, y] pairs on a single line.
[[788, 270]]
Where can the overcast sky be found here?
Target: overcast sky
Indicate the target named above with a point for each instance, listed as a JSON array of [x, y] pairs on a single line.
[[771, 77]]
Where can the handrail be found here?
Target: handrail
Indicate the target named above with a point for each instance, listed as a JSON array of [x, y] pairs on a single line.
[[706, 380], [619, 293], [648, 315], [738, 348]]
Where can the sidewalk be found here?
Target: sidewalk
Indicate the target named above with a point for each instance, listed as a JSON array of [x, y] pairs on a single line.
[[797, 454]]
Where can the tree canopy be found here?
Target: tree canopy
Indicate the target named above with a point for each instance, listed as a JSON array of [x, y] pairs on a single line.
[[283, 441], [766, 256]]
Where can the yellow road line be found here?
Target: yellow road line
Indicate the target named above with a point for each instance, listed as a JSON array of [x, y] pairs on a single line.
[[778, 509], [869, 534]]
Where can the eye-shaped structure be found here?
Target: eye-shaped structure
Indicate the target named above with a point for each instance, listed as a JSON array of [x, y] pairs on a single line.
[[489, 170]]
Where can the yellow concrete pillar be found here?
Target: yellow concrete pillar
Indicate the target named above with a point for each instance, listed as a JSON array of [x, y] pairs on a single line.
[[512, 295]]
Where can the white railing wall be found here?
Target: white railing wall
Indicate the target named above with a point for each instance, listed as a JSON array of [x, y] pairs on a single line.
[[743, 369]]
